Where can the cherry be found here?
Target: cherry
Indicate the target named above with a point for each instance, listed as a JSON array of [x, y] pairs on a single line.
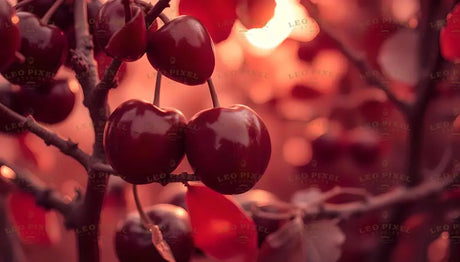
[[450, 36], [302, 91], [8, 97], [217, 16], [365, 145], [182, 50], [121, 39], [229, 148], [9, 33], [45, 49], [144, 142], [51, 103], [62, 18], [329, 146], [133, 242]]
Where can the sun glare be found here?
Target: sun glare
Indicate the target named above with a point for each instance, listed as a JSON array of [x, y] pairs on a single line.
[[276, 30]]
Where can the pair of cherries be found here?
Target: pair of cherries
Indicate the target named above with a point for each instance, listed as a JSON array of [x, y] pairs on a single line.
[[229, 148], [181, 49]]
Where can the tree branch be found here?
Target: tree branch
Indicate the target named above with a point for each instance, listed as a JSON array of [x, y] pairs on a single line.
[[373, 77]]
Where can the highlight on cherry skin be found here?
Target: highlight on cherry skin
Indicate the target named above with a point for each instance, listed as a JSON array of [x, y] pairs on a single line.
[[228, 148], [144, 142]]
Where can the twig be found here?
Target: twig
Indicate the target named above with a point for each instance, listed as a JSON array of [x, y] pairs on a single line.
[[373, 77], [67, 147], [45, 196]]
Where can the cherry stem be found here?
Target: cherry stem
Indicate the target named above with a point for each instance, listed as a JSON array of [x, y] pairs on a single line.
[[164, 18], [212, 90], [148, 224], [45, 19], [128, 13], [156, 98], [23, 3]]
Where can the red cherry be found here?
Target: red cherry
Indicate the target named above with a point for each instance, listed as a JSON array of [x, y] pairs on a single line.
[[229, 148], [255, 13], [365, 145], [329, 146], [450, 36], [121, 39], [51, 103], [217, 16], [143, 142], [9, 35], [182, 50], [45, 49], [133, 242]]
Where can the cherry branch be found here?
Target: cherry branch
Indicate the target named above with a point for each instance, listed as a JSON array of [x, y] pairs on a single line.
[[45, 196], [373, 77]]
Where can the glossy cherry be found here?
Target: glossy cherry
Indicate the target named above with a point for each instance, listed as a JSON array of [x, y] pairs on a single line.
[[50, 103], [182, 50], [133, 242], [229, 148], [118, 38], [43, 46], [9, 34], [450, 36], [143, 142], [217, 16]]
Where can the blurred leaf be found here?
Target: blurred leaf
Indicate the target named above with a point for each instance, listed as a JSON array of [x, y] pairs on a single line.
[[304, 197], [323, 241], [399, 56], [160, 244], [221, 228]]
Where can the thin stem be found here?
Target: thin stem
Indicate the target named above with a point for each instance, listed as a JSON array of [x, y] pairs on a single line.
[[23, 3], [45, 19], [156, 98], [156, 11], [148, 224], [164, 18], [128, 12], [212, 91]]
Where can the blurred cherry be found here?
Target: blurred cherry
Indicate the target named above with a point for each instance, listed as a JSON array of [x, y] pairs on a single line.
[[365, 145], [51, 103], [450, 36], [308, 50], [33, 224], [133, 242], [217, 17], [9, 33], [229, 148], [302, 91], [44, 48], [266, 225], [255, 13], [221, 228], [121, 39], [329, 146], [144, 142], [182, 50]]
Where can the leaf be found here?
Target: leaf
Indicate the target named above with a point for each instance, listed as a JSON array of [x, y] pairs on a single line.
[[323, 241], [221, 228], [160, 244], [399, 56], [287, 244]]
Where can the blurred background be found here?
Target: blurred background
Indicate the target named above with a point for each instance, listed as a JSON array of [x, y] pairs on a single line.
[[328, 126]]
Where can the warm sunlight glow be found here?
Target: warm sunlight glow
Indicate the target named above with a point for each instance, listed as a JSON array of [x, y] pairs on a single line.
[[276, 30], [74, 86], [7, 173], [297, 151], [15, 19]]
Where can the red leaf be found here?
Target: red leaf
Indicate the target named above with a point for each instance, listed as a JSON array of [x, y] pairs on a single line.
[[33, 224], [221, 228], [217, 16]]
